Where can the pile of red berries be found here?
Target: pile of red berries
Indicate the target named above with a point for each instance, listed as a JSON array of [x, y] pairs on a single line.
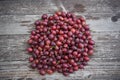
[[60, 42]]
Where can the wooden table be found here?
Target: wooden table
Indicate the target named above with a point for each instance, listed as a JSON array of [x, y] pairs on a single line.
[[17, 17]]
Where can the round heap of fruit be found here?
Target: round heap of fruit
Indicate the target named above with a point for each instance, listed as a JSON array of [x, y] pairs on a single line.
[[60, 42]]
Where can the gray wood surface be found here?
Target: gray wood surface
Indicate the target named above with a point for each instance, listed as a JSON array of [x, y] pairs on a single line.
[[16, 22]]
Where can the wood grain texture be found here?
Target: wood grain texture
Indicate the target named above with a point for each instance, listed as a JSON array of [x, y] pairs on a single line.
[[22, 24], [16, 22], [49, 6], [22, 7]]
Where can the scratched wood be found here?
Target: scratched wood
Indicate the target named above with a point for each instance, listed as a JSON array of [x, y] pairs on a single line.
[[16, 22]]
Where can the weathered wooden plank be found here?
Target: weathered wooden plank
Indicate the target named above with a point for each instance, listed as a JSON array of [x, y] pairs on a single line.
[[104, 25], [15, 45], [93, 64], [93, 6], [22, 24], [20, 54], [27, 7], [41, 6], [81, 74], [10, 24]]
